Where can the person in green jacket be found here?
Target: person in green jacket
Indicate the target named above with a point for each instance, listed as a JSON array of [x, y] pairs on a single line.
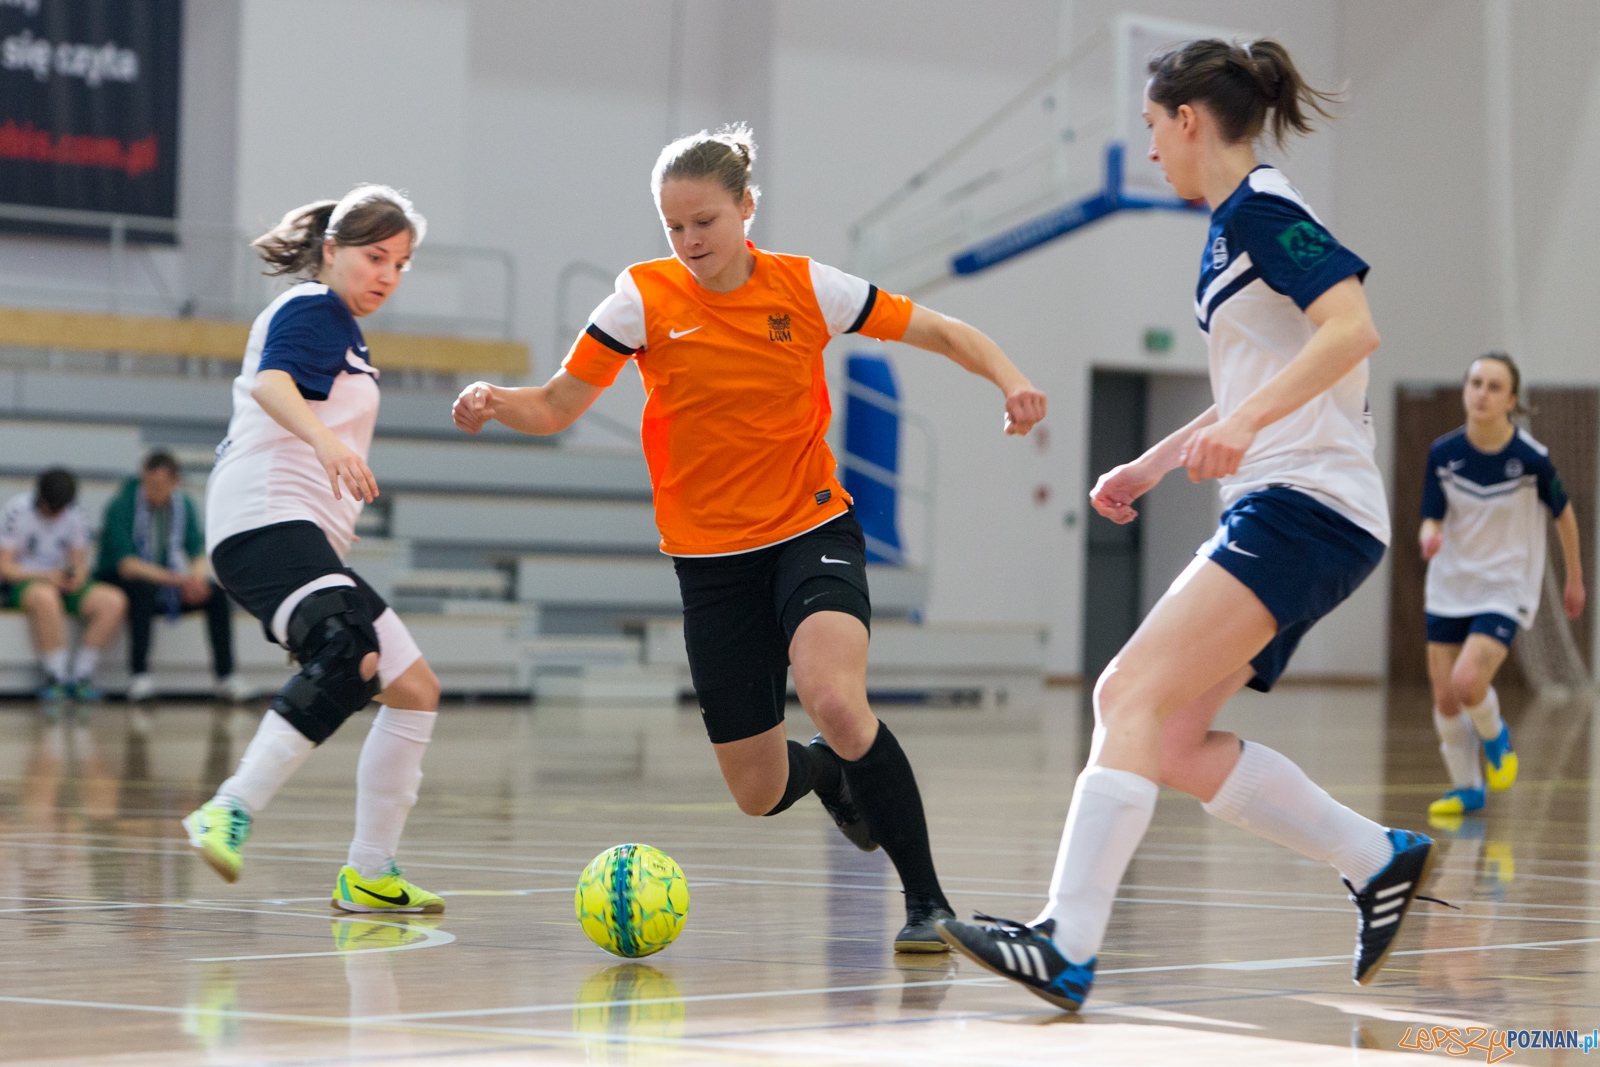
[[151, 546]]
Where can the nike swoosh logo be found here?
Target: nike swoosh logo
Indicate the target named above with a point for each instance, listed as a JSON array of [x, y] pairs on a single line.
[[400, 901], [809, 599], [825, 559], [1233, 546], [675, 334]]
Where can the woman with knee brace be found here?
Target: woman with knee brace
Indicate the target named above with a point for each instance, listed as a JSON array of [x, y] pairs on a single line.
[[728, 340], [281, 505]]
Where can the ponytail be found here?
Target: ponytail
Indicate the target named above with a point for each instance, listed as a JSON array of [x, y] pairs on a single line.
[[1243, 86], [294, 245]]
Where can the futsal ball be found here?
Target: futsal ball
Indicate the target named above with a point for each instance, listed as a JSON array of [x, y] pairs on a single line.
[[632, 900]]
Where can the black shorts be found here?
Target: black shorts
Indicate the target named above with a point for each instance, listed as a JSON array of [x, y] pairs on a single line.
[[260, 567], [740, 612]]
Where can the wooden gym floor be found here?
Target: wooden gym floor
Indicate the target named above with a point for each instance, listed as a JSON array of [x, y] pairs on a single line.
[[119, 947]]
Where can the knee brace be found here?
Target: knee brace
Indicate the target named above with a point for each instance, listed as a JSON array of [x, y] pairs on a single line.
[[330, 632]]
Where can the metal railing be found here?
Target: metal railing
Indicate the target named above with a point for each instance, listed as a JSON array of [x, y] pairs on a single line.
[[188, 269], [924, 491]]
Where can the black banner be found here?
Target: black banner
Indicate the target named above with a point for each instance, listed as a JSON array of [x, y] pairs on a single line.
[[89, 106]]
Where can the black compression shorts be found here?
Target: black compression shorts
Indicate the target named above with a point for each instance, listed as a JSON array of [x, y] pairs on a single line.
[[740, 612]]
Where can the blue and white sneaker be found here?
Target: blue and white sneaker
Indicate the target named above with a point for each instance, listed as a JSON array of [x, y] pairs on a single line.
[[1385, 900], [1024, 954], [1502, 761]]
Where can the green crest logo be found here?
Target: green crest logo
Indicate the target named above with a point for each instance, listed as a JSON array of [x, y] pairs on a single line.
[[1307, 244]]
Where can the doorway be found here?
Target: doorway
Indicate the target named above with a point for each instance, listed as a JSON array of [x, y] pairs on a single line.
[[1127, 568], [1564, 420]]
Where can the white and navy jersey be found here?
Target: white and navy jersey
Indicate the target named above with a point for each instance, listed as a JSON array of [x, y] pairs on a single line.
[[1267, 258], [265, 474], [42, 544], [1494, 513]]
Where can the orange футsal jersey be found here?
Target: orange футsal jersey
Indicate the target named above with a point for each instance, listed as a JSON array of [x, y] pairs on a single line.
[[737, 410]]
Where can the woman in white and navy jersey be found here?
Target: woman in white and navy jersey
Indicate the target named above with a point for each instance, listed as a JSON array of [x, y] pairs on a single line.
[[281, 505], [1486, 494], [1286, 322]]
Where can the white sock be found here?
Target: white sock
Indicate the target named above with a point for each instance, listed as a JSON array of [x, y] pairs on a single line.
[[55, 664], [84, 663], [387, 779], [1486, 716], [1110, 812], [1458, 743], [272, 757], [1271, 797]]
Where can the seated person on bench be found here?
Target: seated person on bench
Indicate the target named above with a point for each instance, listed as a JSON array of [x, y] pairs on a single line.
[[151, 546], [44, 565]]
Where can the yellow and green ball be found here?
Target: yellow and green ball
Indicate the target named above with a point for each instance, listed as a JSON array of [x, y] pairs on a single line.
[[632, 900]]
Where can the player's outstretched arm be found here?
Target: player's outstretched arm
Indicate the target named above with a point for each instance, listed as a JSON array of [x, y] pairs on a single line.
[[279, 397], [543, 409], [971, 348], [1573, 596], [1345, 336], [1116, 490]]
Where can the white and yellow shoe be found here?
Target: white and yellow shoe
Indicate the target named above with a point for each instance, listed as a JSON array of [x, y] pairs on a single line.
[[388, 893], [218, 832]]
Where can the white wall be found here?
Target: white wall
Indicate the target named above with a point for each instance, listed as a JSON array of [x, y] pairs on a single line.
[[532, 126]]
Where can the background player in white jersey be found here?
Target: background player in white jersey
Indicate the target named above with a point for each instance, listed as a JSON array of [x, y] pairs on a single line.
[[44, 570], [281, 506], [1486, 492], [1289, 333]]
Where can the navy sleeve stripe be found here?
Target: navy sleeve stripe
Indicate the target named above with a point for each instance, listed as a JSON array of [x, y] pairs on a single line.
[[866, 309], [1227, 291], [610, 342]]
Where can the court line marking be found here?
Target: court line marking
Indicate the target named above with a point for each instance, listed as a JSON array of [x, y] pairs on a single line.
[[1356, 1006], [1287, 963], [431, 938]]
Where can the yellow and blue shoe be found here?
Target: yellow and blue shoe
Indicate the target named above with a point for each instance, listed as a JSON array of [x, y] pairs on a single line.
[[389, 892], [1458, 801], [1502, 761], [219, 831]]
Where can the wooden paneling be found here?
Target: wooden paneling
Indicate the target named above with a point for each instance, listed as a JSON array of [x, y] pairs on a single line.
[[137, 335], [1565, 420]]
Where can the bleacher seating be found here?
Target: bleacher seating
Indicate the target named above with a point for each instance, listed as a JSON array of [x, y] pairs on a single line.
[[522, 565]]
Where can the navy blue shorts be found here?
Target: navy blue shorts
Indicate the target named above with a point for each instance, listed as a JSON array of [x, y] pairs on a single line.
[[1298, 556], [1445, 630]]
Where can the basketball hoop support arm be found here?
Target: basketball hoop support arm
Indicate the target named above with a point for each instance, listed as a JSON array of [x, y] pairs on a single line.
[[1059, 222]]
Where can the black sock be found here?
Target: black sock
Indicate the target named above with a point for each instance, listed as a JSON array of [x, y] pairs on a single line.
[[885, 792], [803, 774]]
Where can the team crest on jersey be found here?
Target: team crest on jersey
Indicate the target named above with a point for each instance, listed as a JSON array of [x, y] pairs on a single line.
[[1219, 253], [1307, 244], [778, 328], [1513, 468]]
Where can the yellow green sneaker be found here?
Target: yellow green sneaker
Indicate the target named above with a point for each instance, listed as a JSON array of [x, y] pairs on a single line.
[[389, 892], [219, 831]]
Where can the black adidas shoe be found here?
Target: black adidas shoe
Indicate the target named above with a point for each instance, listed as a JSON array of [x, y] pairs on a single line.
[[839, 804], [1024, 954], [1386, 899], [921, 931]]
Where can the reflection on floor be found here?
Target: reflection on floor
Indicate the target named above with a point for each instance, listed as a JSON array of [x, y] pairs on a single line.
[[116, 945]]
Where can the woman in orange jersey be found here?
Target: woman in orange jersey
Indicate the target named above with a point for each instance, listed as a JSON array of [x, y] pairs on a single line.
[[728, 340]]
